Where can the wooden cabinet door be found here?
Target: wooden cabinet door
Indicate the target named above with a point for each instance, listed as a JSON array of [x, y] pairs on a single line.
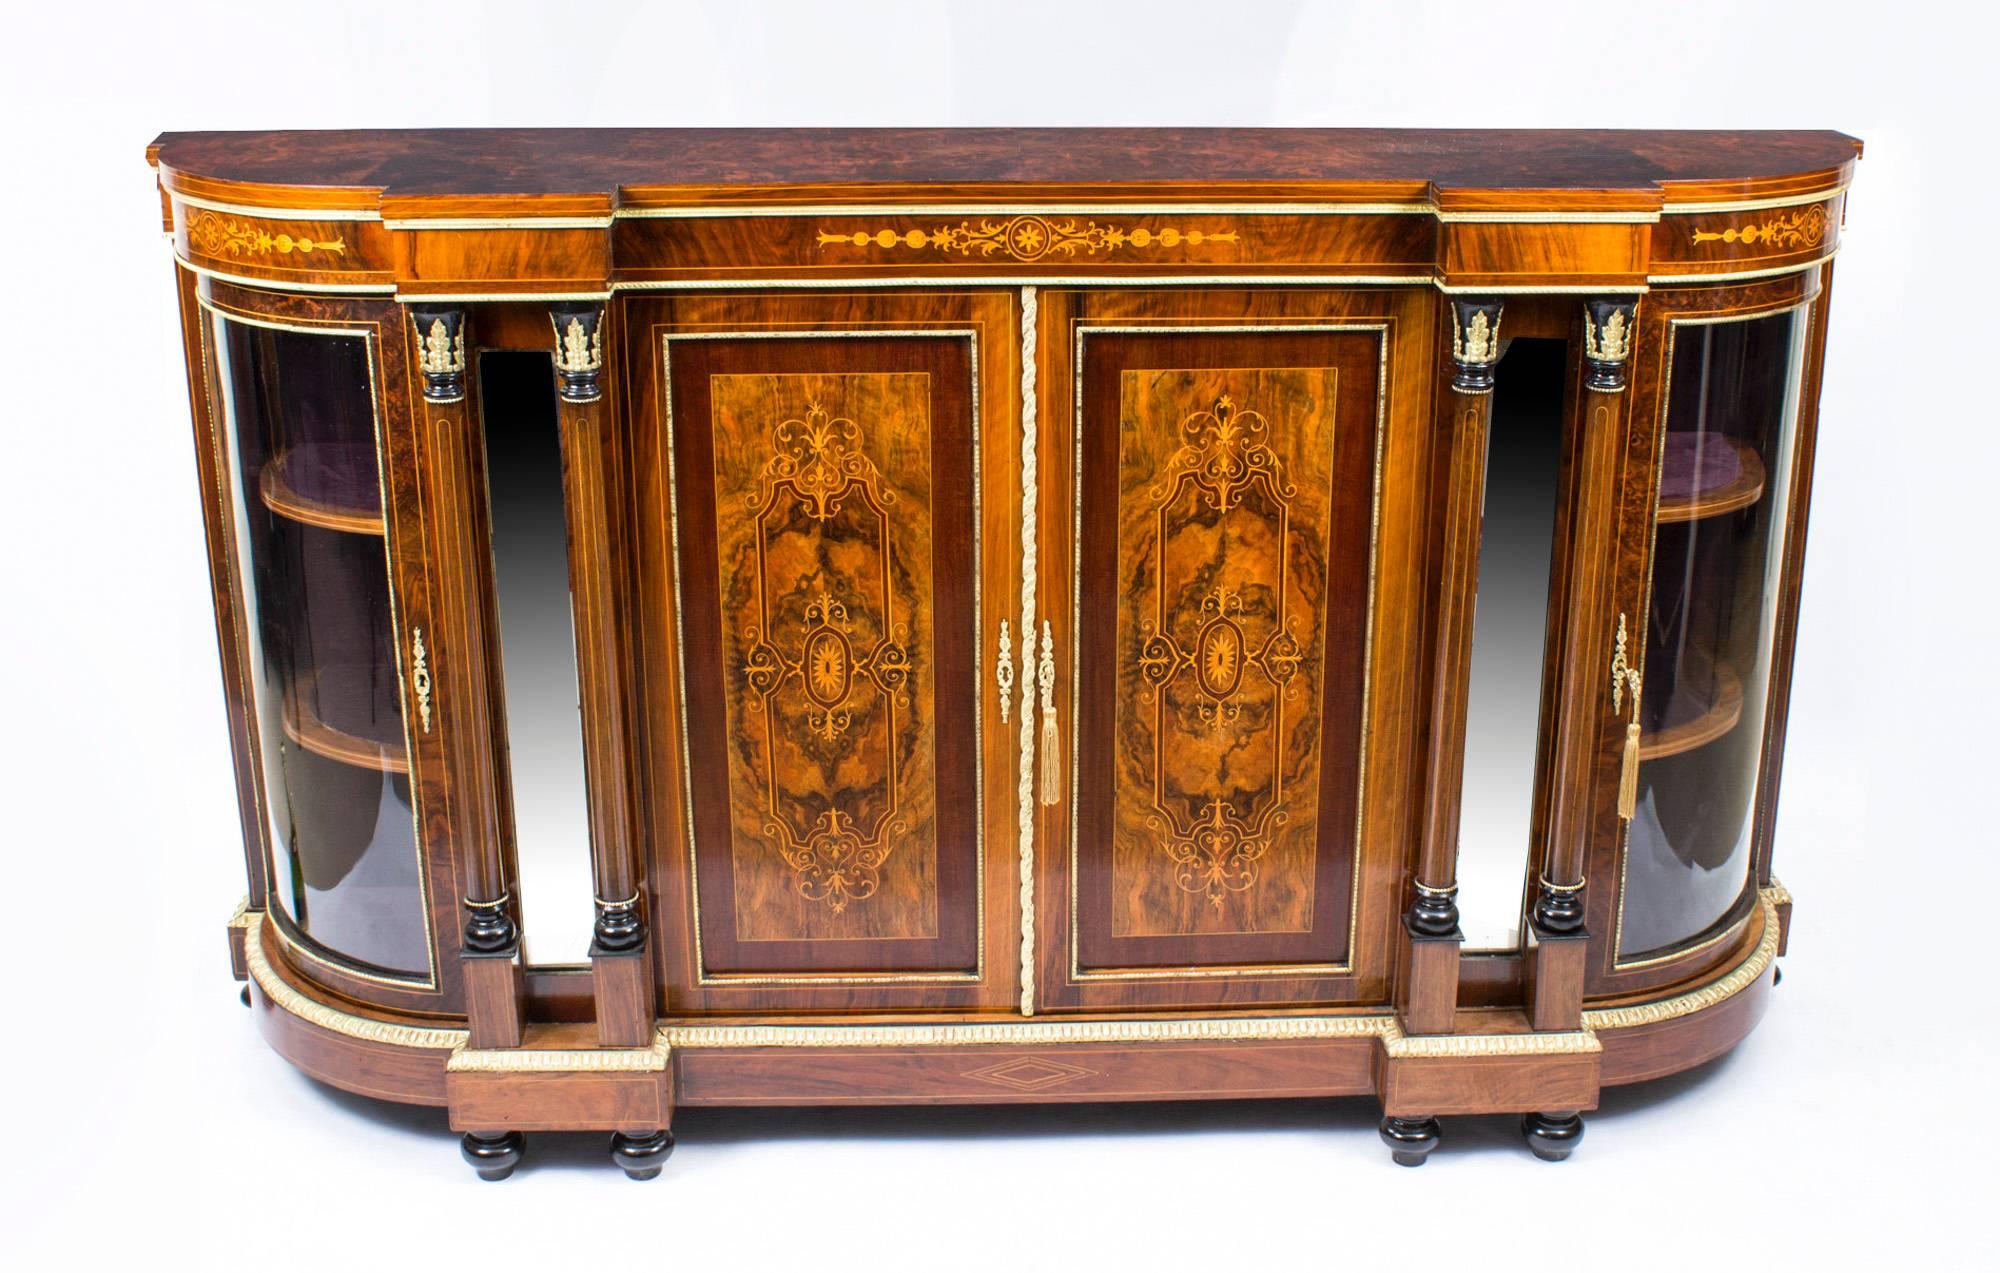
[[1230, 709], [822, 620]]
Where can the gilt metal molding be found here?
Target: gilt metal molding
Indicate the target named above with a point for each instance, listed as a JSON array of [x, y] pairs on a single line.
[[649, 1060], [1039, 1032], [1730, 984], [369, 1030]]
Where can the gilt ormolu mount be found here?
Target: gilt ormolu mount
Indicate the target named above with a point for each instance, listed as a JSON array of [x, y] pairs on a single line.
[[1017, 589]]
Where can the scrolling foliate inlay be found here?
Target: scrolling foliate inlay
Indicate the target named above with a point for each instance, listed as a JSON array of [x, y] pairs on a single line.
[[1226, 565], [831, 702], [1798, 228], [1028, 238], [214, 235]]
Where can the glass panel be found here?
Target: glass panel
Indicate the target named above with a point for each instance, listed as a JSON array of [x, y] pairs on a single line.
[[524, 469], [298, 411], [1725, 481], [1510, 624]]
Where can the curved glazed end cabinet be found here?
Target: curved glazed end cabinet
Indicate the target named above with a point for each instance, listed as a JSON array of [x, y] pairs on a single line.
[[820, 618]]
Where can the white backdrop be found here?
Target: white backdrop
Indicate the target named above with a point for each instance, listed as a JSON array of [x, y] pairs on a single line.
[[146, 1117]]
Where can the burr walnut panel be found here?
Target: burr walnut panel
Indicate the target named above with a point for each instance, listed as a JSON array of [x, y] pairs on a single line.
[[1226, 492], [825, 570], [824, 491], [1221, 543]]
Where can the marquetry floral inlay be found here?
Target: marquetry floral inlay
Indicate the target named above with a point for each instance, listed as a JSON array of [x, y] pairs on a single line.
[[1028, 238], [1224, 459], [214, 235], [1224, 452], [819, 458], [808, 662], [1798, 228]]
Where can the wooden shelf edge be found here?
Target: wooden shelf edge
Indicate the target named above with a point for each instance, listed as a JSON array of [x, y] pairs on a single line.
[[282, 499], [322, 739], [1719, 719], [1746, 490]]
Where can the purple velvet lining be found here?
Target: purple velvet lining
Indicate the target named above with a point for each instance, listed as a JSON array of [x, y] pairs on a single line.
[[338, 473], [1695, 462]]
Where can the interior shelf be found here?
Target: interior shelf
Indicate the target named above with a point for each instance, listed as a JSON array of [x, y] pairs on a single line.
[[1717, 718], [306, 485], [308, 729], [1706, 475]]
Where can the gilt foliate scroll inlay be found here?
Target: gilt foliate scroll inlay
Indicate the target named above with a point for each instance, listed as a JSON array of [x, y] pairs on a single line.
[[1028, 238], [1798, 228], [826, 658], [214, 235], [1219, 657]]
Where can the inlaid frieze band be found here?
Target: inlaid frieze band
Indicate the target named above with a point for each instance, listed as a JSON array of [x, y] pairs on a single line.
[[213, 234], [1794, 228], [1028, 238]]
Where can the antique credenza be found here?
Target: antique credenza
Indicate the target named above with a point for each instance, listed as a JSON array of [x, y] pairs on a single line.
[[786, 617]]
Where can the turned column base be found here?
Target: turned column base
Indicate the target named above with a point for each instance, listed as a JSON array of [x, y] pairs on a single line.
[[494, 1155], [642, 1157], [1552, 1137], [1410, 1140]]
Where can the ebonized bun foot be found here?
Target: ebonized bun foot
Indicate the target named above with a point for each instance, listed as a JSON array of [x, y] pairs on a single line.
[[493, 1157], [642, 1157], [1410, 1140], [244, 994], [1552, 1137]]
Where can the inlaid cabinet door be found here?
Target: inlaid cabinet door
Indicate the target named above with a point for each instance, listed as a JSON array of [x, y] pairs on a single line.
[[1217, 612], [831, 548]]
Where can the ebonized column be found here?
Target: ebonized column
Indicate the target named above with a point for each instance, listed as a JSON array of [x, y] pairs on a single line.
[[621, 966], [1555, 991], [1430, 985], [460, 672]]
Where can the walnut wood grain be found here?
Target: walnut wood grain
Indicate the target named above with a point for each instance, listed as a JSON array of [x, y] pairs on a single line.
[[560, 167]]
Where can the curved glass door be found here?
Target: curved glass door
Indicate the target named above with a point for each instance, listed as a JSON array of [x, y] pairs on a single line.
[[1725, 479], [297, 409]]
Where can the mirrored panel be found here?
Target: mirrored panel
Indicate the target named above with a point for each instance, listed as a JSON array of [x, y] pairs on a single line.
[[297, 409], [543, 722], [1496, 828], [1724, 488]]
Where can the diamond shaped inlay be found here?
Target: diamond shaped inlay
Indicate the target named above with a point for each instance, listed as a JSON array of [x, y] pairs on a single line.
[[1029, 1073]]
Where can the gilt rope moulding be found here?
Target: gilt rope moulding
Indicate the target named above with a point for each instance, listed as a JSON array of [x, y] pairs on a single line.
[[1115, 496]]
